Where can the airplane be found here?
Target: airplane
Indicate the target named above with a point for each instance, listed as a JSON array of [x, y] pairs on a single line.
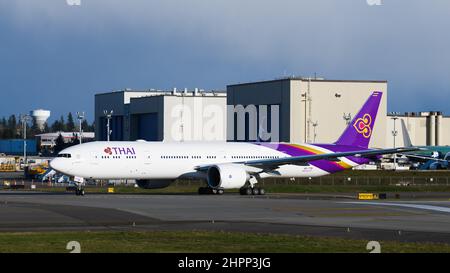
[[428, 157], [435, 161], [224, 165]]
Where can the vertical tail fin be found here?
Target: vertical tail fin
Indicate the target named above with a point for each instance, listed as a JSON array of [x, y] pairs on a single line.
[[406, 139], [359, 131]]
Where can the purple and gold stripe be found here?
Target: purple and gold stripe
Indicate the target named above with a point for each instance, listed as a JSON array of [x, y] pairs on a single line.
[[302, 150], [318, 152]]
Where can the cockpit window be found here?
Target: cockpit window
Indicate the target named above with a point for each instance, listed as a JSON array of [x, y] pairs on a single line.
[[65, 155]]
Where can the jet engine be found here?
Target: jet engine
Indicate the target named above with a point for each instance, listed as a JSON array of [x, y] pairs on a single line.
[[153, 183], [227, 176]]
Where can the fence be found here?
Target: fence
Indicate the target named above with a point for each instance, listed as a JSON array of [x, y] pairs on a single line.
[[349, 181], [318, 181], [361, 181]]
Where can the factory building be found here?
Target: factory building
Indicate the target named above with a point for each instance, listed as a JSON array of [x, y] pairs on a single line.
[[309, 110], [155, 115], [421, 129], [47, 141], [290, 109]]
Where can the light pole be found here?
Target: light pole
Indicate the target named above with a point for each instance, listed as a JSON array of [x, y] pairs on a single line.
[[305, 96], [24, 119], [315, 133], [108, 118], [394, 134], [80, 116], [309, 108]]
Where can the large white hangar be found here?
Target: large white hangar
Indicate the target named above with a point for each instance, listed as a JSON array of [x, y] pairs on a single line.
[[421, 129], [310, 109], [154, 115], [291, 109]]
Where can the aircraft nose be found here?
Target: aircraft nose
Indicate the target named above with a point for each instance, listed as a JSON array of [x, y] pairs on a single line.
[[58, 165], [54, 164]]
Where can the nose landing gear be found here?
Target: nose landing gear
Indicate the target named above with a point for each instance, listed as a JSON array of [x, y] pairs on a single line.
[[79, 192]]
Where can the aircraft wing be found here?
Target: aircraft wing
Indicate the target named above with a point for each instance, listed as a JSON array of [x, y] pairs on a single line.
[[271, 164], [424, 158]]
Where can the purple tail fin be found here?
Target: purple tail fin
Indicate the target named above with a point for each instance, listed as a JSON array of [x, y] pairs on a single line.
[[359, 131]]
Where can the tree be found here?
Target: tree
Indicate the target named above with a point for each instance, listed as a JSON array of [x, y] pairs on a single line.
[[33, 130], [75, 140], [55, 126], [46, 128], [62, 124], [12, 127], [59, 144], [92, 127], [85, 126], [12, 122], [70, 125], [3, 128], [58, 125]]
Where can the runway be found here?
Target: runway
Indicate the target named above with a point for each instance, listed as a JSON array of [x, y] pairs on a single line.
[[412, 221]]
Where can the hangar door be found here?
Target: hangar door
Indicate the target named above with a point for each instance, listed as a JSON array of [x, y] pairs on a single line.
[[147, 126], [116, 127]]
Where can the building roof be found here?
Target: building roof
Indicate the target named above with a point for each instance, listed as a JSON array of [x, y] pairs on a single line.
[[67, 135], [417, 114], [158, 92], [127, 90], [316, 79]]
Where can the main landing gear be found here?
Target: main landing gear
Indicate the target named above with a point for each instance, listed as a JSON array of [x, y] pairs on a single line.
[[251, 188], [252, 191], [208, 190], [79, 191]]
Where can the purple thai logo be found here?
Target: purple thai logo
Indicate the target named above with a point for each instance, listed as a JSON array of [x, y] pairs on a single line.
[[119, 151], [362, 125]]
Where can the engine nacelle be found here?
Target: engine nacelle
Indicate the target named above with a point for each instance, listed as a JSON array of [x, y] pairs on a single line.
[[153, 183], [227, 176]]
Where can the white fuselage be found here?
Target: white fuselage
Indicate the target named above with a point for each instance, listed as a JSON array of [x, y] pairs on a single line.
[[159, 160]]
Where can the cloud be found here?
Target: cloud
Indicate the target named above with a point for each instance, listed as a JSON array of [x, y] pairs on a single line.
[[142, 43], [257, 28]]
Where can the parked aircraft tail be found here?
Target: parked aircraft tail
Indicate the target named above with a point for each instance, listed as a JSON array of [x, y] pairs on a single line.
[[360, 130]]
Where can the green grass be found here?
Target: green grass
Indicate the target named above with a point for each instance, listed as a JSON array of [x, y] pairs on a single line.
[[196, 242], [391, 173], [352, 189]]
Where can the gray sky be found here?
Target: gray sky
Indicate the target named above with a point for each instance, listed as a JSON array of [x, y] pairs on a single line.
[[57, 56]]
